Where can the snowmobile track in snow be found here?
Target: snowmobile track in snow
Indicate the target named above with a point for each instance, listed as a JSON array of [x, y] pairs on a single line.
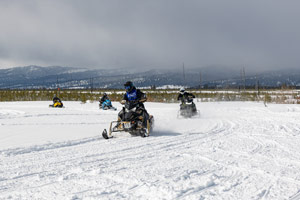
[[234, 150]]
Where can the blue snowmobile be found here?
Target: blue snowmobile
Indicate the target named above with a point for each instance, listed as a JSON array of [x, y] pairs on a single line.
[[107, 105]]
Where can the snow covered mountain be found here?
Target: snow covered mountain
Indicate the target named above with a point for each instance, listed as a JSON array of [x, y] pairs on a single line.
[[49, 77], [66, 77]]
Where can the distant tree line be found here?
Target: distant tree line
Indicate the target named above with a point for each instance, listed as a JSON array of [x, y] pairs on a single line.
[[157, 95]]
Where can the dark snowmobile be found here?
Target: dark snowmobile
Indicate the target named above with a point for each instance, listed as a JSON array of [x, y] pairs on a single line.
[[188, 109], [134, 120]]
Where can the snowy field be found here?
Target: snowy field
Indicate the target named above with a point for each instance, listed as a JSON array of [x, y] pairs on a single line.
[[235, 150]]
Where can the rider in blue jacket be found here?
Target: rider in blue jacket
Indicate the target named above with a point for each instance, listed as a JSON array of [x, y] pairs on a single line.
[[134, 95], [103, 99]]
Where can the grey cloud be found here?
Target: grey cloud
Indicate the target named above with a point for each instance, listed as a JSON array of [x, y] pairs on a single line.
[[159, 33]]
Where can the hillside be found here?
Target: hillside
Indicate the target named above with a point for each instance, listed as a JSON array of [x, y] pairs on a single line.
[[33, 77]]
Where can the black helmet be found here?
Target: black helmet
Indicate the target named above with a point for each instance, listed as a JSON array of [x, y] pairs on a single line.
[[128, 86], [104, 94]]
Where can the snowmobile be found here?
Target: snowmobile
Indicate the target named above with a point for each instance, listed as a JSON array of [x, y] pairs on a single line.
[[57, 105], [188, 109], [106, 105], [133, 121]]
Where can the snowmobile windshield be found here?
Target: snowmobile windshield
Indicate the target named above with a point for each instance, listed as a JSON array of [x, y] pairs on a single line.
[[189, 100], [131, 110], [130, 106]]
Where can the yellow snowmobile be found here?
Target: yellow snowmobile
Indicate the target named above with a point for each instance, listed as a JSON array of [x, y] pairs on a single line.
[[57, 103]]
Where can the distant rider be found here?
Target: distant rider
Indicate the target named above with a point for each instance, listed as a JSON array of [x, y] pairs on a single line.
[[103, 99], [56, 99], [57, 102], [186, 97]]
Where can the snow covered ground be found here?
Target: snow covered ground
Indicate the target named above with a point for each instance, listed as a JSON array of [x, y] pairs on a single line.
[[235, 150]]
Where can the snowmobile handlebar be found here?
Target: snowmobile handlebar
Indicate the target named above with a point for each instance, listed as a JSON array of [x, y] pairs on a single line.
[[134, 102], [143, 100]]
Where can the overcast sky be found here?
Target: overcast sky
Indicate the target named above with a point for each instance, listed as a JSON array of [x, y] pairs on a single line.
[[150, 33]]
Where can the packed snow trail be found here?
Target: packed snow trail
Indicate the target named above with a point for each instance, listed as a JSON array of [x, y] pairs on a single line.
[[234, 150]]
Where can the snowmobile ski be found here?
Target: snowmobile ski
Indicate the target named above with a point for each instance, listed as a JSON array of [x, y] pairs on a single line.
[[105, 135]]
